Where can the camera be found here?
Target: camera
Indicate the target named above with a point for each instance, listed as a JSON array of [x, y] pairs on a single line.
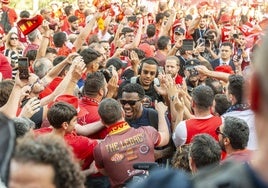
[[192, 70]]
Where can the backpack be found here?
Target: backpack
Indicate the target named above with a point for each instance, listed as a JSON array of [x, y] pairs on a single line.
[[5, 21], [7, 144]]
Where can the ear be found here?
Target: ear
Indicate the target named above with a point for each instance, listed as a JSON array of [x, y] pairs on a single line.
[[192, 165], [64, 125], [226, 141], [255, 93]]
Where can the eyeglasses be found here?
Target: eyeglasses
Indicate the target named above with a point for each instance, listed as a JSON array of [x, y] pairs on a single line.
[[152, 73], [130, 102], [14, 38], [218, 131]]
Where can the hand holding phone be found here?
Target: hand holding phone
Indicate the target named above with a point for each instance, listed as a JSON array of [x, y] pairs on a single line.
[[23, 67]]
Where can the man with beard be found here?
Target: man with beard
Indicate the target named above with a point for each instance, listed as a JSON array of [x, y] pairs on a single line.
[[94, 90], [240, 107], [124, 145], [172, 67], [137, 116], [198, 28], [147, 78], [233, 137]]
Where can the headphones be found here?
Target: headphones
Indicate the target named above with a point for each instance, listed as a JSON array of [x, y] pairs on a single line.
[[150, 61]]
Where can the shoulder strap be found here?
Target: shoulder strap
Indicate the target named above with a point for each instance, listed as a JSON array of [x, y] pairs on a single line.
[[153, 119]]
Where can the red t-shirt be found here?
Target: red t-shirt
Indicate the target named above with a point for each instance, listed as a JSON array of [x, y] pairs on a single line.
[[90, 106], [5, 67], [82, 146]]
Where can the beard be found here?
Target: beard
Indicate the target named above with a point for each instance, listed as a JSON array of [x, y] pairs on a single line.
[[222, 145]]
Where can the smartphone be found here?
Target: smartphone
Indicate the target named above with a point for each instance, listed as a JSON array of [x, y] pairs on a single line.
[[23, 67], [161, 70], [188, 44]]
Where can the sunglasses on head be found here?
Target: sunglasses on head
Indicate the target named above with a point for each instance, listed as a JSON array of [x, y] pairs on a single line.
[[130, 102]]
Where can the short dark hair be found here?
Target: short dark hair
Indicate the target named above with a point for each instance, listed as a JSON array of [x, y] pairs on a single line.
[[221, 103], [227, 44], [89, 55], [237, 131], [31, 55], [93, 83], [53, 151], [151, 30], [67, 10], [72, 19], [110, 111], [134, 88], [236, 87], [126, 30], [58, 60], [139, 52], [162, 42], [59, 39], [159, 16], [205, 150], [116, 62], [211, 83], [150, 61], [51, 50], [59, 113], [203, 97], [24, 14]]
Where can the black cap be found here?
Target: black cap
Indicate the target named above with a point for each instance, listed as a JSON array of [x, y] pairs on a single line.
[[192, 63]]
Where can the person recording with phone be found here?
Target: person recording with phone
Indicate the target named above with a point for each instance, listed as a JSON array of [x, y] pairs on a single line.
[[241, 50]]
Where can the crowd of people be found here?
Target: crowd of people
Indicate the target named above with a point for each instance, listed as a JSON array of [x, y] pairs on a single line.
[[134, 94]]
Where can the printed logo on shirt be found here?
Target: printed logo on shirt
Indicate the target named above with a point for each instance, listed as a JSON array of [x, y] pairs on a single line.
[[144, 149], [125, 144], [117, 157]]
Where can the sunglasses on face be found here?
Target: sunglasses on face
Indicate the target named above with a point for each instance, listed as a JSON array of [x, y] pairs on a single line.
[[130, 102], [152, 73], [14, 38], [218, 132]]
